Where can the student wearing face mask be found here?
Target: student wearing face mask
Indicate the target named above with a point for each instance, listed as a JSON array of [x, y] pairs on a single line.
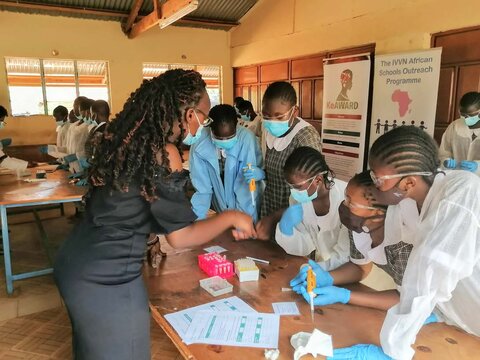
[[79, 137], [3, 114], [443, 269], [364, 217], [217, 163], [460, 147], [283, 132], [236, 102], [310, 226], [60, 115], [249, 118]]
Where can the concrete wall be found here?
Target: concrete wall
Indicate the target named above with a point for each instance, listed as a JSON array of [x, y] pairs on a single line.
[[38, 35]]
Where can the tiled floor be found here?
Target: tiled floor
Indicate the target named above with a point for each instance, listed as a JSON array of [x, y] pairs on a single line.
[[47, 335], [33, 323]]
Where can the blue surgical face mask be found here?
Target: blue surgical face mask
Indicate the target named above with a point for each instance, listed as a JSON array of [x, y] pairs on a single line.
[[302, 196], [275, 127], [192, 139], [2, 124], [59, 123], [471, 120], [225, 144], [245, 117], [278, 127], [79, 117]]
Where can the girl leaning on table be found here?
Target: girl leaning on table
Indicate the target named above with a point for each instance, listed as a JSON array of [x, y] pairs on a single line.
[[136, 188]]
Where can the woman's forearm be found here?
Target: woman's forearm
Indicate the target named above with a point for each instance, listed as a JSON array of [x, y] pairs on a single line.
[[350, 273], [382, 300]]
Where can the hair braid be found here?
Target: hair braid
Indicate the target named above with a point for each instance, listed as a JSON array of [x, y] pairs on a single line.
[[128, 148]]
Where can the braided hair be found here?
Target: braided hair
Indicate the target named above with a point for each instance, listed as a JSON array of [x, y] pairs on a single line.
[[407, 149], [280, 90], [364, 181], [470, 99], [131, 141], [311, 162], [222, 115]]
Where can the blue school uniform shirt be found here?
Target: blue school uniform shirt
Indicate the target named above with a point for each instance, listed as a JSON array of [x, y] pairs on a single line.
[[233, 192]]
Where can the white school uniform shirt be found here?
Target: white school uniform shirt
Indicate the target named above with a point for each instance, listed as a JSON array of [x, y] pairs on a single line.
[[457, 143], [443, 270], [60, 149], [324, 234]]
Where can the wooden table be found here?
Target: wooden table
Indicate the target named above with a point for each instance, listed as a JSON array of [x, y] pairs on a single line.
[[174, 286], [18, 193]]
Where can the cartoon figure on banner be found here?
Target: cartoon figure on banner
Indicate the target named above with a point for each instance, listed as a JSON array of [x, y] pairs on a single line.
[[377, 127], [346, 78], [387, 127]]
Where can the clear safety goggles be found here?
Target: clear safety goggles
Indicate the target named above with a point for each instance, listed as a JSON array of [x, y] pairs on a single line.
[[279, 117], [354, 205], [300, 184], [465, 115], [379, 181]]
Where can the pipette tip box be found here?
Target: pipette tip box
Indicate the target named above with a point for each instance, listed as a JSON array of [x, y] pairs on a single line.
[[246, 270], [214, 264], [216, 286]]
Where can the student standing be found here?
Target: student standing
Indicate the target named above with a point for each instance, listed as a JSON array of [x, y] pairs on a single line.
[[60, 115], [460, 147], [249, 118], [283, 132], [217, 163], [311, 224], [137, 187]]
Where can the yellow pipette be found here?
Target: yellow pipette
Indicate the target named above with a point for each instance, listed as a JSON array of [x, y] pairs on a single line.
[[311, 285], [252, 186]]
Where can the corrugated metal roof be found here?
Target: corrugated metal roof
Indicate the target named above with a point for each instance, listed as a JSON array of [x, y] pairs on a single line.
[[26, 66], [217, 10]]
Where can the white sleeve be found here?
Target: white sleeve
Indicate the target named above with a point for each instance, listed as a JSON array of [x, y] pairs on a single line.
[[340, 253], [14, 164], [299, 244], [448, 250], [445, 150]]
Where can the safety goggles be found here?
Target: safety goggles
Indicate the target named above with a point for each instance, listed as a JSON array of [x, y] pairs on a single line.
[[465, 115], [300, 184], [353, 205], [379, 181], [279, 117], [223, 138]]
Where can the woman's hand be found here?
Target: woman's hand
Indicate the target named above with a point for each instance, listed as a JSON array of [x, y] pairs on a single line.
[[265, 228], [243, 226]]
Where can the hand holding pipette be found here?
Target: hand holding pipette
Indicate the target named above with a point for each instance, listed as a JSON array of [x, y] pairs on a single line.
[[311, 285]]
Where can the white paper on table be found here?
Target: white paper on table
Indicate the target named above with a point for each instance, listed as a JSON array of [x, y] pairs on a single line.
[[316, 343], [286, 308], [215, 248], [258, 330], [181, 320]]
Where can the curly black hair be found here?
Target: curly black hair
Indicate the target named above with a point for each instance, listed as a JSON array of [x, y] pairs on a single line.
[[127, 150]]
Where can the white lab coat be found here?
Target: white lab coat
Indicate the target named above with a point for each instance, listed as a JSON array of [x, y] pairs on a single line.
[[444, 266], [457, 143], [324, 234], [60, 149], [78, 134]]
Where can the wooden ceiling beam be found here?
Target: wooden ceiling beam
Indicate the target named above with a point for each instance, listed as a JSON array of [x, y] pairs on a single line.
[[147, 22], [224, 25], [127, 26]]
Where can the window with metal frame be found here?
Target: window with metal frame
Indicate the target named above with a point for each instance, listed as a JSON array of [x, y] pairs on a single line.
[[37, 86], [212, 74]]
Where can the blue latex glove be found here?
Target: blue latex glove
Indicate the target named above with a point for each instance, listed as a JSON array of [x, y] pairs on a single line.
[[75, 175], [327, 295], [469, 165], [300, 281], [359, 352], [290, 218], [450, 163], [84, 163], [70, 158], [63, 167], [6, 142], [43, 149], [83, 182], [431, 319], [253, 173]]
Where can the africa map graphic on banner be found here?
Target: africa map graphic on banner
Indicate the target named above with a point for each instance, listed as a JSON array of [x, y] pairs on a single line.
[[405, 91]]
